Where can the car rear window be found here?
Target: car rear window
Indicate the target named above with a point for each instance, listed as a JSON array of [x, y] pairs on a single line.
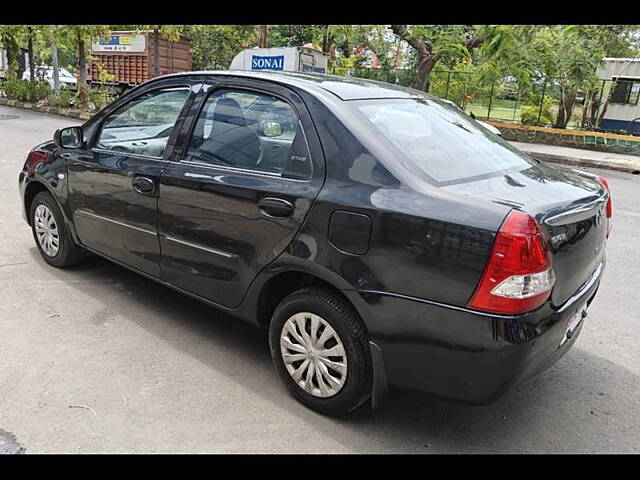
[[445, 144]]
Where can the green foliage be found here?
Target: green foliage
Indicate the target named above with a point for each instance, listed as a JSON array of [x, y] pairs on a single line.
[[529, 113], [465, 84], [103, 75], [515, 59], [100, 97], [9, 36], [64, 99], [26, 91], [214, 46], [291, 35]]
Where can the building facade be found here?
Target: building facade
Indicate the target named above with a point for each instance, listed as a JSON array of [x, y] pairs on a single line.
[[622, 87]]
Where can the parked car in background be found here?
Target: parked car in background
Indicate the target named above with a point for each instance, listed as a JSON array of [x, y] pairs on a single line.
[[486, 125], [382, 236], [44, 73]]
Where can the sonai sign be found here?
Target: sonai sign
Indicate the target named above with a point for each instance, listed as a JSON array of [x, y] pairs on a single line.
[[275, 62]]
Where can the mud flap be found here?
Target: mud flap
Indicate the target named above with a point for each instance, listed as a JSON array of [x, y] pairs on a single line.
[[380, 386]]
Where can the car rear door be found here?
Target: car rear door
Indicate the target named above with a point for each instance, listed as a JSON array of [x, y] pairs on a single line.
[[113, 185], [239, 187]]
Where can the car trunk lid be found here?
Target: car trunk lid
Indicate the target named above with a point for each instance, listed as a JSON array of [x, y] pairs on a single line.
[[570, 207]]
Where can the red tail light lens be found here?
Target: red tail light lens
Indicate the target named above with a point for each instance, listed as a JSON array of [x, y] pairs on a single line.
[[33, 159], [609, 207], [519, 274]]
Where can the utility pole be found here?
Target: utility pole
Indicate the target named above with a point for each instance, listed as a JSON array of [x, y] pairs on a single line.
[[54, 61]]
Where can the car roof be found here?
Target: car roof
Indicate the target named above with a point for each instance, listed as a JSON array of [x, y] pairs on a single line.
[[345, 88]]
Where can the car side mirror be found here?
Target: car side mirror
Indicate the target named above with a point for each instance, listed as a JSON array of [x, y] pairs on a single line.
[[69, 137], [271, 129]]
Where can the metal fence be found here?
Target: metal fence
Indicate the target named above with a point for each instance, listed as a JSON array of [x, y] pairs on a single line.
[[505, 99], [536, 103]]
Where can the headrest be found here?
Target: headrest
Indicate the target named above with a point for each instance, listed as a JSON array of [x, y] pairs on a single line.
[[227, 110]]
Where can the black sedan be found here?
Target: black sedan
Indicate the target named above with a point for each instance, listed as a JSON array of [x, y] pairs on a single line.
[[384, 238]]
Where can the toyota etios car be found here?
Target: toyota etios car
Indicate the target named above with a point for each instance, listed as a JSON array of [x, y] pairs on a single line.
[[384, 238]]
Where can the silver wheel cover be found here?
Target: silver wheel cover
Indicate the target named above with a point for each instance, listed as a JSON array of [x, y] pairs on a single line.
[[313, 354], [46, 230]]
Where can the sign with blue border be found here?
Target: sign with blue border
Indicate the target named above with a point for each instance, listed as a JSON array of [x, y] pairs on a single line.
[[270, 62]]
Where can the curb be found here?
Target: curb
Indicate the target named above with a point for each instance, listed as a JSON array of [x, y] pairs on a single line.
[[581, 139], [63, 112], [584, 162]]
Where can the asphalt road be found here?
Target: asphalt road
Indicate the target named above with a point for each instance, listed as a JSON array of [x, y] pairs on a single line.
[[98, 359]]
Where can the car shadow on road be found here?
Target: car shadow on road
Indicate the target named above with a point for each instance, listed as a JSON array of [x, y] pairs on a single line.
[[576, 406]]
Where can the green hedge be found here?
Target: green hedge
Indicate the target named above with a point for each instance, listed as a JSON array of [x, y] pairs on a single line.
[[25, 90]]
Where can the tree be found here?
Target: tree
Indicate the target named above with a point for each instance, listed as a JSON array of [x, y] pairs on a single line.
[[568, 57], [54, 60], [30, 35], [214, 46], [78, 36], [9, 39], [263, 39], [291, 35], [376, 39], [434, 43], [331, 36]]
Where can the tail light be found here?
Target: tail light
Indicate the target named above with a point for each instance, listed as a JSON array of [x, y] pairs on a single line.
[[519, 274], [609, 207], [34, 159]]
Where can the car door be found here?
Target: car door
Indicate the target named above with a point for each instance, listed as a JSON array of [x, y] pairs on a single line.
[[235, 194], [113, 186]]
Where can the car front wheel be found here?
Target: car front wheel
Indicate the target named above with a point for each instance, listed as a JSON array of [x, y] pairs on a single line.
[[320, 350], [51, 234]]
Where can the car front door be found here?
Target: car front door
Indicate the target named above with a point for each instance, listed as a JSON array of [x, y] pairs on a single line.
[[238, 189], [113, 186]]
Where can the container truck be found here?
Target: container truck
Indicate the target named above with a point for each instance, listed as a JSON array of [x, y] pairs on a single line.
[[130, 57]]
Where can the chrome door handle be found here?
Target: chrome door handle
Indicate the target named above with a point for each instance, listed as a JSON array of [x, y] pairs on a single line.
[[275, 207], [144, 185]]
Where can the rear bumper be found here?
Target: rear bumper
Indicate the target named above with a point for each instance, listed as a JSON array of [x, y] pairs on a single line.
[[468, 356]]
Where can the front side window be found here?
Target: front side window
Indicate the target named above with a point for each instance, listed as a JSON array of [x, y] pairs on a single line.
[[244, 129], [143, 125], [444, 143]]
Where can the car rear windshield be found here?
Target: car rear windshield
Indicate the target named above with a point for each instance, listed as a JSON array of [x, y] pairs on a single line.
[[445, 144]]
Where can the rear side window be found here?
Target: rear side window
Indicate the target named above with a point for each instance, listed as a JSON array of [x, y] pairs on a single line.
[[244, 129], [447, 145]]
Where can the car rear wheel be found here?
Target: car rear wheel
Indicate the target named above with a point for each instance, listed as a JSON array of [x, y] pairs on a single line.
[[320, 350], [51, 234]]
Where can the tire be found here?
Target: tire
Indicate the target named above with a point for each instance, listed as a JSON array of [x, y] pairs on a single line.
[[340, 316], [68, 253]]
